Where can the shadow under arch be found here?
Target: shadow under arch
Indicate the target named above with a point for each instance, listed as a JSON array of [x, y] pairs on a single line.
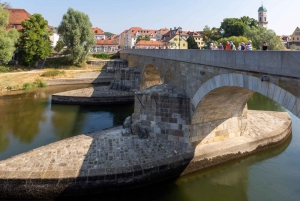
[[219, 107], [150, 77]]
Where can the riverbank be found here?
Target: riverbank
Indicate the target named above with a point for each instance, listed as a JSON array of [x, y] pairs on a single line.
[[16, 80], [106, 160]]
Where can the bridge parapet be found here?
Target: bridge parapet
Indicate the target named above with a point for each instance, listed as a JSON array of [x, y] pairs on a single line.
[[282, 63]]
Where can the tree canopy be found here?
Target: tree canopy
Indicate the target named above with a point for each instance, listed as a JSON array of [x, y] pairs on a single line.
[[141, 37], [237, 26], [108, 34], [76, 33], [34, 43], [5, 4], [260, 34], [8, 38], [59, 46], [192, 43]]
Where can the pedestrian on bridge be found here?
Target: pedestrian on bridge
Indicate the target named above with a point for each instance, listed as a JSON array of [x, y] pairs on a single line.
[[249, 46]]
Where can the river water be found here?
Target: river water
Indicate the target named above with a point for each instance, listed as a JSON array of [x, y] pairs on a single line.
[[28, 120]]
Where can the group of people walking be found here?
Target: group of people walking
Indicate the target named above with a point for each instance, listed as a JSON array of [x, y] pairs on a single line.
[[231, 46]]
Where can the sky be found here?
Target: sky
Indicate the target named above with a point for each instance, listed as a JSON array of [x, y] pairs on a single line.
[[192, 15]]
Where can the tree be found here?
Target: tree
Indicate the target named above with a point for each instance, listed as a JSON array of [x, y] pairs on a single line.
[[8, 38], [108, 34], [140, 37], [210, 35], [251, 22], [237, 26], [34, 43], [260, 34], [76, 33], [233, 27], [59, 46], [192, 43], [5, 4]]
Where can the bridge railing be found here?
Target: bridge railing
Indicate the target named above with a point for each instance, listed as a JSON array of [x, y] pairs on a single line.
[[283, 63]]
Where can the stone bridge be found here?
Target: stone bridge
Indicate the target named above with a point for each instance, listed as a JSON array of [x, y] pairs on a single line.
[[217, 84]]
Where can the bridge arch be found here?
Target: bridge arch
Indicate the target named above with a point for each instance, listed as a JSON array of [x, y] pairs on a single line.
[[219, 106], [150, 77]]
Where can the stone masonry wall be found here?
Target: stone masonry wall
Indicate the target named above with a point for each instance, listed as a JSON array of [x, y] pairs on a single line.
[[127, 78], [164, 115]]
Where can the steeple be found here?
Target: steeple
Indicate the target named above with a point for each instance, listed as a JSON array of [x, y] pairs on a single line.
[[262, 16]]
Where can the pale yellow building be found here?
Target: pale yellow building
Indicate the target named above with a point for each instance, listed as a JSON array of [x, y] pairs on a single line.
[[174, 43], [295, 38]]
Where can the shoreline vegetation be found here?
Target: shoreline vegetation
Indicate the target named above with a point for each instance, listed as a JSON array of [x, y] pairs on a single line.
[[19, 77]]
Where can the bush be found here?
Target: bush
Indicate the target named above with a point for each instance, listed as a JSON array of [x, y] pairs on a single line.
[[53, 73], [36, 83], [101, 56], [4, 69]]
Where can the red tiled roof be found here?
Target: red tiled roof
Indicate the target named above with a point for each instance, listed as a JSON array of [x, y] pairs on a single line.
[[98, 31], [150, 43], [16, 17], [106, 42]]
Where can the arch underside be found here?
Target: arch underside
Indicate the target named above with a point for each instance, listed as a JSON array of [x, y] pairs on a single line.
[[221, 114], [219, 107], [150, 77]]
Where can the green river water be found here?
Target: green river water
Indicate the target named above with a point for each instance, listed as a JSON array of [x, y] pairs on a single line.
[[28, 120]]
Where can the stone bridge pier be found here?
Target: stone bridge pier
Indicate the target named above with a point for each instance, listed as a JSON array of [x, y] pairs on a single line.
[[165, 111]]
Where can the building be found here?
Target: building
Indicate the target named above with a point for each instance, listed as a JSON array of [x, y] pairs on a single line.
[[128, 37], [99, 34], [262, 16], [295, 38], [198, 38], [54, 37], [105, 46], [16, 17], [160, 33], [142, 44], [177, 43]]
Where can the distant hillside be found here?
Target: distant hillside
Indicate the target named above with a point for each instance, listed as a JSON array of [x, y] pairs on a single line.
[[108, 33]]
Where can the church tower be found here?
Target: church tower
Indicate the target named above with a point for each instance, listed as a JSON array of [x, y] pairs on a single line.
[[262, 16]]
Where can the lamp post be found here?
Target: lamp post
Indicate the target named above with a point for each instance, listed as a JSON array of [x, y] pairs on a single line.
[[180, 31], [222, 32]]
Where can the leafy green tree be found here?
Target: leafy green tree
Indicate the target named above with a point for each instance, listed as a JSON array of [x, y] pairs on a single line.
[[192, 43], [34, 43], [233, 27], [108, 34], [141, 37], [59, 46], [8, 38], [235, 39], [5, 4], [210, 35], [251, 22], [260, 34], [237, 26], [76, 32]]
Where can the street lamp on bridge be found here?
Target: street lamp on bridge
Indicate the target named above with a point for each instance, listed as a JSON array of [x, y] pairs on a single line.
[[222, 32]]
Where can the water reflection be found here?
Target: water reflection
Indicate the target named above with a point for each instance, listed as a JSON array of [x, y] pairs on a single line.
[[29, 120]]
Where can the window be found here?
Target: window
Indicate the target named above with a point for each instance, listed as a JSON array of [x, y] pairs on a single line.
[[15, 26], [297, 38], [183, 45], [260, 19], [175, 39], [265, 19]]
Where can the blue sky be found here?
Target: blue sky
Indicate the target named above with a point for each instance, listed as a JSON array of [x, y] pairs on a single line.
[[118, 15]]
